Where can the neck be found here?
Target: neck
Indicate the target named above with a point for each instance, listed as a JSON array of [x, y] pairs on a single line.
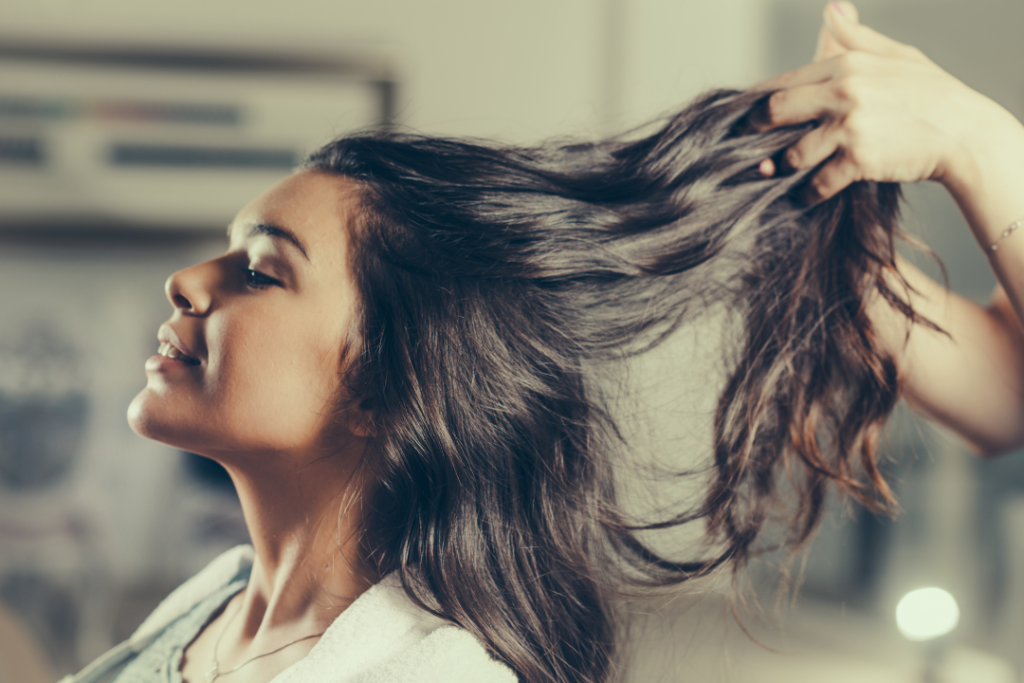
[[304, 515]]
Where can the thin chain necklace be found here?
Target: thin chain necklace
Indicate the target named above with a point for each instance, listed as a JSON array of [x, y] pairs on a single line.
[[214, 672]]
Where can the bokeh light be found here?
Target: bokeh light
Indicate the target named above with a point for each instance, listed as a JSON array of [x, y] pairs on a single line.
[[927, 613]]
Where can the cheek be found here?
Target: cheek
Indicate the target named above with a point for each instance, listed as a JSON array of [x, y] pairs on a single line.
[[273, 387], [271, 383]]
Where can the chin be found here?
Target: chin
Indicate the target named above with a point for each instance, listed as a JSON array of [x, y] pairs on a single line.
[[141, 417], [148, 421]]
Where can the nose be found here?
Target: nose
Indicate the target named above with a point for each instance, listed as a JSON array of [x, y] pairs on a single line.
[[190, 290]]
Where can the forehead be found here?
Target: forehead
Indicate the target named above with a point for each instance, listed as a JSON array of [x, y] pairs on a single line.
[[314, 206]]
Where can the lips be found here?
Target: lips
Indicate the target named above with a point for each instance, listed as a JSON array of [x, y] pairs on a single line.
[[172, 347]]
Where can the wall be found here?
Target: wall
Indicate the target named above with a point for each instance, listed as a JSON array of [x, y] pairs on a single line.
[[522, 70]]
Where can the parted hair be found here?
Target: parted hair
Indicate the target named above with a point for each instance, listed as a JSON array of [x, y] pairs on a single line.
[[492, 277]]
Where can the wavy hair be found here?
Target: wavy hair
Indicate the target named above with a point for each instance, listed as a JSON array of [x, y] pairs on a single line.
[[492, 277]]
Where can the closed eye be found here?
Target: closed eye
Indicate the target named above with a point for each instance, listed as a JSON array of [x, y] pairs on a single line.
[[257, 280]]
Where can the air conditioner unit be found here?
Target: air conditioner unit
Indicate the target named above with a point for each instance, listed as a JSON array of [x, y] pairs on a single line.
[[167, 140]]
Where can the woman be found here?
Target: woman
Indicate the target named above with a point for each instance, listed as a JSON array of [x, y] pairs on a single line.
[[393, 362]]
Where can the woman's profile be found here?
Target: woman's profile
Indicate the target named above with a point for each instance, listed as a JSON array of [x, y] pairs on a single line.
[[393, 360]]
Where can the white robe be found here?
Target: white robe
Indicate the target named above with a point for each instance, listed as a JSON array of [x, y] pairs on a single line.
[[383, 637]]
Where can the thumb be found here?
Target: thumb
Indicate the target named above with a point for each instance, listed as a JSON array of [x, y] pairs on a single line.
[[850, 35]]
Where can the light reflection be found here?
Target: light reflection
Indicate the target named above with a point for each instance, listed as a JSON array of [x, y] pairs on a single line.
[[927, 613]]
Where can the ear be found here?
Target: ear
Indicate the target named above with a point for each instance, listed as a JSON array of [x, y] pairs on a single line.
[[361, 422]]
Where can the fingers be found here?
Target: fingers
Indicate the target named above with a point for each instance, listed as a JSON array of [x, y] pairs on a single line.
[[846, 49], [849, 10], [798, 105], [831, 179], [812, 149], [828, 46], [840, 34], [851, 35], [816, 72]]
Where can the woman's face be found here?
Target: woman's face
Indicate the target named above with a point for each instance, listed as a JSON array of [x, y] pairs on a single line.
[[251, 358]]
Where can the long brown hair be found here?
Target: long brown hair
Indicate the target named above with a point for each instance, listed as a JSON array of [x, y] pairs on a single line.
[[491, 277]]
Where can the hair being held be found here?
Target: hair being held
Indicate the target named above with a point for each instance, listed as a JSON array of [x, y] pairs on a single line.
[[493, 278]]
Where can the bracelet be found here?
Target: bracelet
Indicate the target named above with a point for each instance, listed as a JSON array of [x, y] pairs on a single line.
[[1006, 233]]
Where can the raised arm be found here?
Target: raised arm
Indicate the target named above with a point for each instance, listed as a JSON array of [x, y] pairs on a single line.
[[887, 113], [971, 380]]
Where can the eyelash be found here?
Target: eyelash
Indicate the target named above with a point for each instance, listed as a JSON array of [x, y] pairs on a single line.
[[258, 280]]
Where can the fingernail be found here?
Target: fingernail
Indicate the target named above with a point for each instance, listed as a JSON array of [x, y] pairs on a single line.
[[767, 168], [837, 8]]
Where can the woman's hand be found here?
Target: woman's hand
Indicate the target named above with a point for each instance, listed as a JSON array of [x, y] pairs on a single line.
[[886, 112]]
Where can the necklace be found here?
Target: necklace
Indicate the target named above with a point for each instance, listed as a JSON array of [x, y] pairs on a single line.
[[214, 672]]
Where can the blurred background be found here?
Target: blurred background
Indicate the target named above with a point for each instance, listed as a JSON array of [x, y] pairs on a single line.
[[130, 134]]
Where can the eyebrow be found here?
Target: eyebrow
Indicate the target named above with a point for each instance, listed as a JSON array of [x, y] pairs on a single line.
[[278, 232]]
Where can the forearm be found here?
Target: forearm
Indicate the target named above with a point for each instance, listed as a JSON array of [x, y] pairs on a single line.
[[970, 379]]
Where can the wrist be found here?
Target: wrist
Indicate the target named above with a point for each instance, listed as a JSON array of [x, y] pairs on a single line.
[[993, 140], [984, 173]]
